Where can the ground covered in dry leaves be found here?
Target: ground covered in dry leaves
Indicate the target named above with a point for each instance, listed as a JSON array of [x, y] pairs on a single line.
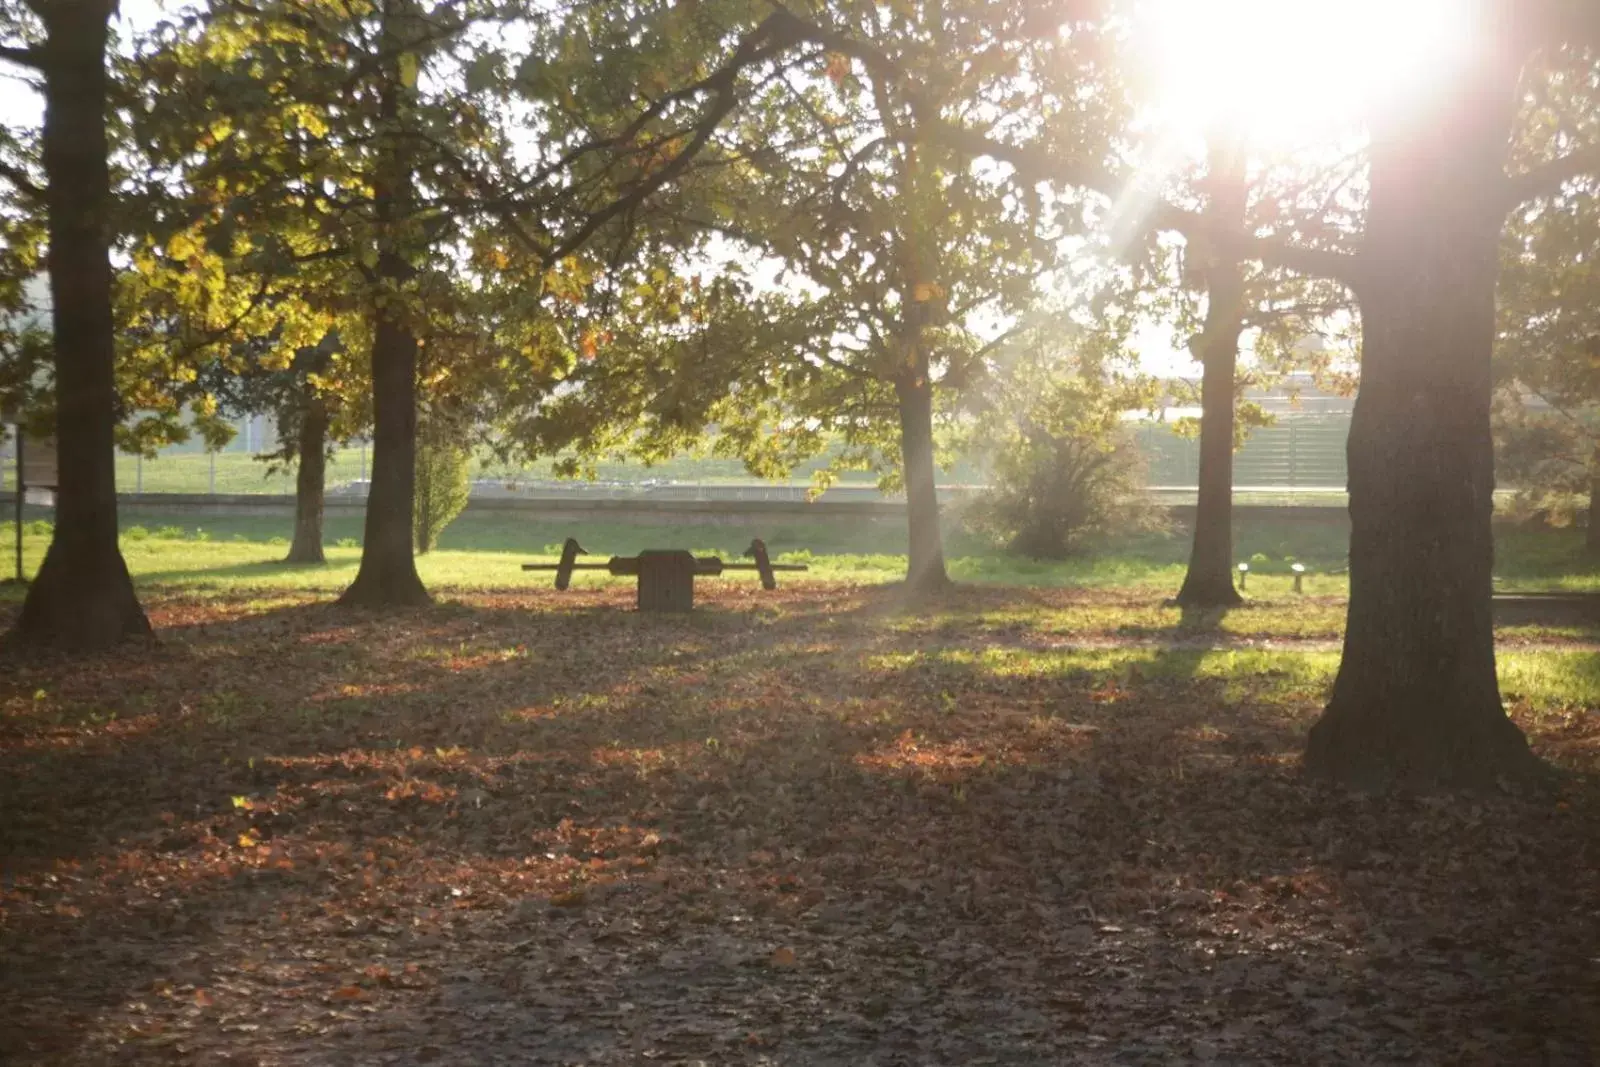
[[797, 828]]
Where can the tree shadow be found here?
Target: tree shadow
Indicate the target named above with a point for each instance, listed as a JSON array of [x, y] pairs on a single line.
[[554, 814]]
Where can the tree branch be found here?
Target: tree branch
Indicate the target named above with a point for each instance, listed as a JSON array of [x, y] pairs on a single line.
[[19, 178], [762, 43], [1035, 164], [1548, 178], [33, 58]]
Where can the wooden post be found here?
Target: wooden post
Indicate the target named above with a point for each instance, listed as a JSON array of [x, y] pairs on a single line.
[[570, 550], [20, 436], [758, 551], [666, 581]]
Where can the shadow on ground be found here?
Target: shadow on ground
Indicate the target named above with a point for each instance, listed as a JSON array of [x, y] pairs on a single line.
[[794, 829]]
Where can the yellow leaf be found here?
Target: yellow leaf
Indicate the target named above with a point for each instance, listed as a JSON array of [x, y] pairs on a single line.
[[248, 839]]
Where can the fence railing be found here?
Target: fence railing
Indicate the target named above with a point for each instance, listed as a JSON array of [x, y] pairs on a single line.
[[1300, 454]]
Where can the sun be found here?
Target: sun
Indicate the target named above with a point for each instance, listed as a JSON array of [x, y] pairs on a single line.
[[1282, 72]]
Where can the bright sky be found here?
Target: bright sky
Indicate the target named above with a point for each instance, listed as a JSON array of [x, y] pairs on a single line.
[[1280, 73]]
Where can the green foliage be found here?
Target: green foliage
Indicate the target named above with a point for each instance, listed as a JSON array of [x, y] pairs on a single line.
[[1547, 353], [1064, 470], [443, 482]]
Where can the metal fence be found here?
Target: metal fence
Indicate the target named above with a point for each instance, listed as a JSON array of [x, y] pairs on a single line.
[[1301, 453], [1298, 452]]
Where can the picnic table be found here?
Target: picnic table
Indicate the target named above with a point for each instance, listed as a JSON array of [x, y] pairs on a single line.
[[666, 576]]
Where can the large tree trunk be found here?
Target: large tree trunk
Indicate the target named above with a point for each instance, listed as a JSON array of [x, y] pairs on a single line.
[[1209, 581], [1591, 536], [1416, 701], [82, 597], [925, 571], [388, 573], [310, 480]]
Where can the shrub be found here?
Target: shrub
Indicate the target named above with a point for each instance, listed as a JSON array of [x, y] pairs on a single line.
[[444, 478], [1064, 470], [135, 533]]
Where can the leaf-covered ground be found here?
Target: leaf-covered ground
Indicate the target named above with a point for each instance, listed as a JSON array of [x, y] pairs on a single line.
[[1031, 827]]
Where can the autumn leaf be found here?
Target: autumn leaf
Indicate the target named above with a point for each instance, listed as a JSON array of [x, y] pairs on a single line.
[[838, 68], [783, 957]]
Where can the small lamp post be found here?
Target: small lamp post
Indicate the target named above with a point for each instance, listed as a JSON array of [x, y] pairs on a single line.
[[1244, 574], [1299, 574]]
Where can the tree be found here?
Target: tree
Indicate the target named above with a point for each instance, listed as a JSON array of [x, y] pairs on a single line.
[[1547, 353], [82, 597], [1277, 310], [444, 481], [895, 250], [362, 159], [1416, 699], [307, 401]]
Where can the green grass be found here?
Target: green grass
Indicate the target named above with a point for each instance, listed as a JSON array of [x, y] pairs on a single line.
[[485, 550]]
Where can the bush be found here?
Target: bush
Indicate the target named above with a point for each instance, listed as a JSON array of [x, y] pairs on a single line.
[[444, 478], [135, 533], [1065, 471]]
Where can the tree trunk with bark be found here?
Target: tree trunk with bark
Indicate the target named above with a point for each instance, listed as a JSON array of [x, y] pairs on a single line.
[[925, 571], [1416, 701], [310, 482], [1591, 536], [83, 597], [388, 573], [1209, 580]]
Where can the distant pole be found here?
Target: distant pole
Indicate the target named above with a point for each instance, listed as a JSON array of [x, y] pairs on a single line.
[[19, 502], [138, 472], [213, 456]]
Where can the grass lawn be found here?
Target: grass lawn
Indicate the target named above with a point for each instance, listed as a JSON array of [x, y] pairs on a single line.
[[484, 550], [1025, 825]]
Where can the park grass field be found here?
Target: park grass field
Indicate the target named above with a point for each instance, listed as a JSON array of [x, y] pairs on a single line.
[[485, 549], [1042, 819]]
